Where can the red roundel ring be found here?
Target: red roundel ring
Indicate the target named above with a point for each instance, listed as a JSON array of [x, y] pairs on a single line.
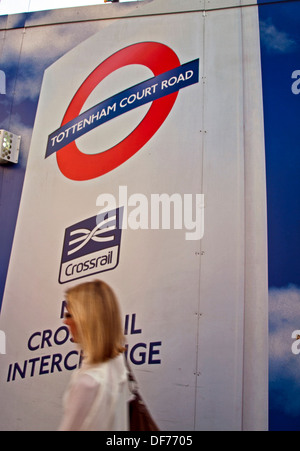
[[76, 165]]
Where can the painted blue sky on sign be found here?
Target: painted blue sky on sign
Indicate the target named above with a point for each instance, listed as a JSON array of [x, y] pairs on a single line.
[[280, 52]]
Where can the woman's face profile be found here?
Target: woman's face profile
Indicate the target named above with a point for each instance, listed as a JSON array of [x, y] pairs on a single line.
[[70, 323]]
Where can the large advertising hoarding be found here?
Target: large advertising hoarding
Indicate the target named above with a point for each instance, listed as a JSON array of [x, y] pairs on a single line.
[[144, 171]]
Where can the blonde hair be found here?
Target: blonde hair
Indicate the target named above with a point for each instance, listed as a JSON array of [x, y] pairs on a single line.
[[95, 311]]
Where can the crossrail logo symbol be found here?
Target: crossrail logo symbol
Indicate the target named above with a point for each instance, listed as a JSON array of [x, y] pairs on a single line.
[[162, 90], [91, 246]]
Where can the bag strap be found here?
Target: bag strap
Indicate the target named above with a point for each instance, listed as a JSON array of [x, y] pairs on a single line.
[[133, 386]]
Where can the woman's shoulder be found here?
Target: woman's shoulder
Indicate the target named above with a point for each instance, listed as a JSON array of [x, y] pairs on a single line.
[[87, 381], [99, 371]]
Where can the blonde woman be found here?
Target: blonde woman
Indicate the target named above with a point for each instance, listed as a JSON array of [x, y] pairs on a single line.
[[97, 397]]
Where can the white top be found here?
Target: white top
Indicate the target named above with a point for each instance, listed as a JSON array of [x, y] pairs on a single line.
[[97, 398]]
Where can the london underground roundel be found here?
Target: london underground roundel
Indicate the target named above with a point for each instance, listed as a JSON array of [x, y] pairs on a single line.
[[158, 58]]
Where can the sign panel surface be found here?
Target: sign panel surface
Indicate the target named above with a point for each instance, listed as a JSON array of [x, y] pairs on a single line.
[[138, 174], [65, 233]]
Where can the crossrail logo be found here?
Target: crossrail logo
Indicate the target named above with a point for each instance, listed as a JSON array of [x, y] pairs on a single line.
[[91, 246], [162, 90]]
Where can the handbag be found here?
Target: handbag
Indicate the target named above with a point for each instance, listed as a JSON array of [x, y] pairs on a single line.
[[139, 415]]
